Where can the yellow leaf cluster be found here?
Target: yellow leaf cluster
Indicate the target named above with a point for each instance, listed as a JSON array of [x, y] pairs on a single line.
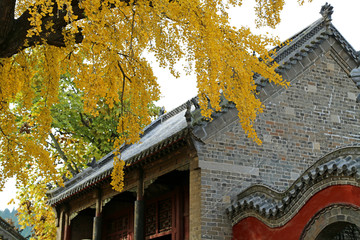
[[118, 175], [33, 210]]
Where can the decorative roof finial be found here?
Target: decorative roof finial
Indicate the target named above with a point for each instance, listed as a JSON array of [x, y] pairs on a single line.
[[93, 163], [326, 12], [355, 75], [195, 102], [162, 111]]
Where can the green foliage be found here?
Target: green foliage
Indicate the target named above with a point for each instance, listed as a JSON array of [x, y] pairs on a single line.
[[71, 122]]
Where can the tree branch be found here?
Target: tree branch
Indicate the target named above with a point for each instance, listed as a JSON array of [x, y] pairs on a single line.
[[13, 31], [62, 154], [12, 40], [58, 148], [86, 124], [7, 11]]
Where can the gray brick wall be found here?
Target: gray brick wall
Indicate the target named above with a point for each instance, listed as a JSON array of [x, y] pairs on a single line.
[[314, 116]]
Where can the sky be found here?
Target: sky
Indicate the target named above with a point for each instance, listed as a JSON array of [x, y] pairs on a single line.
[[294, 18]]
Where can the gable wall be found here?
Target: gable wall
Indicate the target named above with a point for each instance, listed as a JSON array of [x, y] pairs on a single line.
[[314, 116]]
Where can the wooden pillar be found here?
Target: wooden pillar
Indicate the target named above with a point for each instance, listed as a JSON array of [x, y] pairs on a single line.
[[178, 214], [60, 226], [139, 218], [63, 223], [67, 225], [97, 219]]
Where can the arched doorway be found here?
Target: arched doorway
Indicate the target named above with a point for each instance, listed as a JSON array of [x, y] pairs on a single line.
[[340, 231]]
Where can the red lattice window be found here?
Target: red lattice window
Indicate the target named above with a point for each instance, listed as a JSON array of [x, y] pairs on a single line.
[[165, 215], [118, 228], [159, 218], [150, 219]]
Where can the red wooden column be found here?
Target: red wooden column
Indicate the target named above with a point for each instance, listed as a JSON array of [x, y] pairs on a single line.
[[185, 217], [139, 218], [178, 215], [97, 219]]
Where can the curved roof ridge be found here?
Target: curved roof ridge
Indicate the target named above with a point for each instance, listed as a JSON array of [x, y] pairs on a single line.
[[302, 43], [345, 44], [298, 36], [266, 204]]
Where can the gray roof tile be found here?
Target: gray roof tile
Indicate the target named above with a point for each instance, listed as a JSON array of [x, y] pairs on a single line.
[[161, 132], [7, 231]]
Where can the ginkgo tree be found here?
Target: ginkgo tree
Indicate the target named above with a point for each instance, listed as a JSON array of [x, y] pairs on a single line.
[[75, 138], [102, 45]]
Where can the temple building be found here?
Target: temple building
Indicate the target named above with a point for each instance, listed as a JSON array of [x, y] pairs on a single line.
[[193, 179]]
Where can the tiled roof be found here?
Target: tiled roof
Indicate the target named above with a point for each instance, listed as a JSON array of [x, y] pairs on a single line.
[[304, 42], [8, 232], [164, 131], [268, 204]]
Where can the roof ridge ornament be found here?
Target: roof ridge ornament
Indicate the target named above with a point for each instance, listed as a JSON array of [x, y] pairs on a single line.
[[326, 12], [93, 163], [188, 113], [355, 76]]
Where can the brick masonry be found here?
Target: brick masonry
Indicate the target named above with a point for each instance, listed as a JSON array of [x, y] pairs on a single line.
[[314, 116], [195, 200]]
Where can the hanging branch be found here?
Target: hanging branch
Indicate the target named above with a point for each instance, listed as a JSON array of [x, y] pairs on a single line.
[[63, 156]]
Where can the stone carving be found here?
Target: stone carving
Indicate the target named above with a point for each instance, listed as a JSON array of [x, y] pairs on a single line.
[[355, 76], [326, 12], [162, 111], [92, 163]]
